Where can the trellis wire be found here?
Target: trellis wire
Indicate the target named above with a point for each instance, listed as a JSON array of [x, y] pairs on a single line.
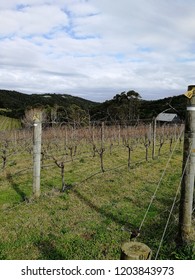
[[158, 185], [172, 207]]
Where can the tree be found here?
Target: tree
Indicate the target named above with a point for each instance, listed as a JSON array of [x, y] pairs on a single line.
[[128, 105], [77, 115], [133, 98]]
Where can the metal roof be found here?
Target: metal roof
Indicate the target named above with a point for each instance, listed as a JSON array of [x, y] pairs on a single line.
[[165, 117]]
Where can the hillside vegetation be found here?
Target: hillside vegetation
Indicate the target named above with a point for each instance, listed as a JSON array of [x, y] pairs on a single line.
[[16, 103], [125, 106], [121, 107]]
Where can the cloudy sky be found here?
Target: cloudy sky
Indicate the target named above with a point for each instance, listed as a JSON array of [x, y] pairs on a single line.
[[97, 48]]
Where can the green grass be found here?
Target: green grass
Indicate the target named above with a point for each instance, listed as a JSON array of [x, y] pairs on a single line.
[[7, 123], [85, 221]]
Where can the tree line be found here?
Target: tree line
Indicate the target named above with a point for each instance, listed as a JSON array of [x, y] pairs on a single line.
[[127, 105]]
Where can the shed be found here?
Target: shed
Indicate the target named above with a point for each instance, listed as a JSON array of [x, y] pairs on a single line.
[[168, 117]]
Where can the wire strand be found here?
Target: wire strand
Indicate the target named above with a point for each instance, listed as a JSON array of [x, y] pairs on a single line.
[[172, 207], [161, 178]]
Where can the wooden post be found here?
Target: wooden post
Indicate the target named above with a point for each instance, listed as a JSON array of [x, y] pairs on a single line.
[[119, 134], [135, 251], [102, 135], [37, 125], [93, 132], [187, 186], [154, 138]]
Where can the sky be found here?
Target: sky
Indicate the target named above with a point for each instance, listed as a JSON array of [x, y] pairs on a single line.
[[96, 49]]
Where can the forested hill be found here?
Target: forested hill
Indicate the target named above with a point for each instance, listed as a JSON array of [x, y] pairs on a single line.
[[13, 104], [16, 103], [126, 107], [175, 104]]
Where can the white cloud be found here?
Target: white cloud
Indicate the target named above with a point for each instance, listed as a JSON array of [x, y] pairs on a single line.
[[31, 20], [97, 48]]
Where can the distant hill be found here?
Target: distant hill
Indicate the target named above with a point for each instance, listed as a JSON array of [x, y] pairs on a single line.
[[13, 104], [110, 109], [175, 104]]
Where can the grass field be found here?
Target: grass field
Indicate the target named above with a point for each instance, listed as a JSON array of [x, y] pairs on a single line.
[[9, 123], [85, 222]]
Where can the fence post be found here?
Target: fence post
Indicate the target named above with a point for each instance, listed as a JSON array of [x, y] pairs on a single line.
[[187, 186], [37, 131], [154, 137], [135, 251], [102, 134]]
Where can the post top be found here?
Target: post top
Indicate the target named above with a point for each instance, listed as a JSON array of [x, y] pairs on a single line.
[[190, 92], [190, 87]]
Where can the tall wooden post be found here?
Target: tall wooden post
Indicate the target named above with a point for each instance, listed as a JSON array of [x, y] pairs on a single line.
[[154, 137], [37, 126], [187, 186], [119, 134], [102, 135]]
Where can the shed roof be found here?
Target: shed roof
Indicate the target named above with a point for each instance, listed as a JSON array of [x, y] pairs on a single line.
[[165, 117]]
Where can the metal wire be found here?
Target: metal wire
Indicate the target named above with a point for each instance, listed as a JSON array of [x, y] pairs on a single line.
[[159, 183], [172, 207]]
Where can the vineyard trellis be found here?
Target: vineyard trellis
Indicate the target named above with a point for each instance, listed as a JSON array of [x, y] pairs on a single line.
[[64, 144]]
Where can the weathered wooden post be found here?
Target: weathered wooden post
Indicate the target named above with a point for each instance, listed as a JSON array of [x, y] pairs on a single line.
[[135, 251], [187, 186], [102, 134], [37, 131], [119, 134], [154, 137]]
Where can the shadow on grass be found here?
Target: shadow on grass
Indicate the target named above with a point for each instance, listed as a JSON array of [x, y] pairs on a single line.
[[118, 220], [151, 233], [2, 254], [16, 187], [48, 250], [2, 257], [169, 249]]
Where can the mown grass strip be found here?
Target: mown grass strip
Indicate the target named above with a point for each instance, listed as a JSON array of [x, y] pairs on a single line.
[[7, 123]]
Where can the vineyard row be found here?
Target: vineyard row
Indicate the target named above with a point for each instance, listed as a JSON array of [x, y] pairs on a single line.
[[61, 144]]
